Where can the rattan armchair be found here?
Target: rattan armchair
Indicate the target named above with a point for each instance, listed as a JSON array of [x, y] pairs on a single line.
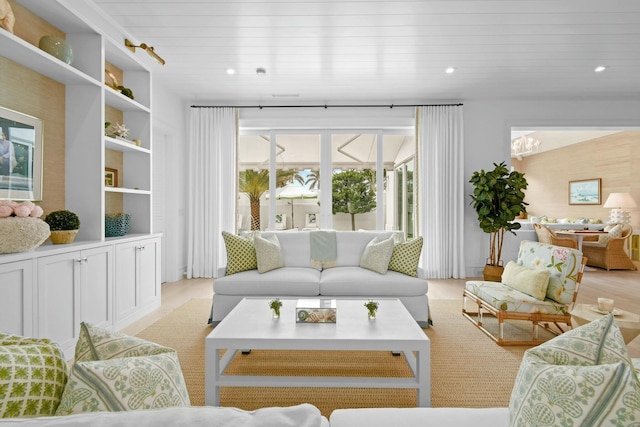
[[547, 235], [612, 255]]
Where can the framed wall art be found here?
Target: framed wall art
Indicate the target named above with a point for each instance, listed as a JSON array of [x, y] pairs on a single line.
[[585, 192], [110, 177], [20, 156]]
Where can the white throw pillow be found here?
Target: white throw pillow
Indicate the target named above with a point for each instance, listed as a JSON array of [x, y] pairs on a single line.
[[614, 232], [268, 253], [377, 255]]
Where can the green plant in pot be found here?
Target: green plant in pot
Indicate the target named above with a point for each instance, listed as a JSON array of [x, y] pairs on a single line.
[[498, 198], [64, 226]]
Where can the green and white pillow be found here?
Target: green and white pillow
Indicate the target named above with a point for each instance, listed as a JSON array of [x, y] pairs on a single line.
[[148, 377], [582, 377], [268, 253], [405, 257], [241, 253], [33, 374], [531, 281], [614, 233], [377, 254]]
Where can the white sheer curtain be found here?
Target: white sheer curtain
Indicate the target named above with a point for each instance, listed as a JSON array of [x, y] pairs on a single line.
[[211, 197], [441, 196]]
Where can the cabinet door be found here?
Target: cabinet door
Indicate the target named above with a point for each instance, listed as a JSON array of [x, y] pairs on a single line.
[[126, 295], [16, 304], [149, 270], [96, 290], [59, 299]]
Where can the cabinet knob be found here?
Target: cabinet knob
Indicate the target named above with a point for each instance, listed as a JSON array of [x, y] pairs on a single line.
[[78, 260], [85, 259], [141, 247]]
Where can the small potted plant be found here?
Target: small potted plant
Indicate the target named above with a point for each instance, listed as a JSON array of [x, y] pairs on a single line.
[[64, 226], [275, 305], [372, 307]]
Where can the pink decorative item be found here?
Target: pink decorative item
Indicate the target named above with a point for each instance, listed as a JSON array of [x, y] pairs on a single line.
[[5, 211], [9, 208], [22, 211], [37, 212]]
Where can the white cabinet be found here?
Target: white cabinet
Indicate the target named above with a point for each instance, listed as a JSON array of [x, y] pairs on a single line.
[[137, 289], [74, 287], [16, 303]]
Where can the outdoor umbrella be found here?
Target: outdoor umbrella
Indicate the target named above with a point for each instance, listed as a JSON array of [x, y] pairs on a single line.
[[292, 192]]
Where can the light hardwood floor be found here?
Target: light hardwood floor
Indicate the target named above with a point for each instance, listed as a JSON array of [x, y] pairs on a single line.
[[623, 286]]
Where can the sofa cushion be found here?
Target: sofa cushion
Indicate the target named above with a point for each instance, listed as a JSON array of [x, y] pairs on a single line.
[[241, 253], [268, 253], [33, 374], [132, 374], [350, 245], [377, 254], [531, 281], [582, 377], [291, 281], [356, 281], [405, 257], [614, 233]]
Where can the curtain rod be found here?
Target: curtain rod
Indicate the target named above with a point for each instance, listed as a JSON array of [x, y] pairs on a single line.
[[327, 106]]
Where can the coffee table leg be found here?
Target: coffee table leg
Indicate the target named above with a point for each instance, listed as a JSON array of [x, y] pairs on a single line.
[[211, 374], [424, 376]]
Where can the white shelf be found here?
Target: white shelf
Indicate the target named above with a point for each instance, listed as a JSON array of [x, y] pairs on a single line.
[[121, 102], [123, 146], [126, 190], [29, 56]]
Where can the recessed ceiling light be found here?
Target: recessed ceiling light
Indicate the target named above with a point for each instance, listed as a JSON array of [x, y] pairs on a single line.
[[261, 71], [600, 68], [231, 71], [450, 70]]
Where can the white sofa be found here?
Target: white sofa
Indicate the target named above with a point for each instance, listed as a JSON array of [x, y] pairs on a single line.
[[298, 279]]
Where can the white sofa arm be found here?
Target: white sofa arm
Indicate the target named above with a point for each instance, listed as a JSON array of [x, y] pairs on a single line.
[[222, 271]]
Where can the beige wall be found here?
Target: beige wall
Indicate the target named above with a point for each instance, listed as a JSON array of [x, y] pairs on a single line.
[[615, 159]]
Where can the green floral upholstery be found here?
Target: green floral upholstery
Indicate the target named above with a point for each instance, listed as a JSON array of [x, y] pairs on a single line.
[[583, 377], [405, 257], [119, 373], [508, 299], [33, 374]]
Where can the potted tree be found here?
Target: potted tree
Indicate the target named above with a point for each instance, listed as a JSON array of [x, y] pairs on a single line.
[[64, 226], [497, 198]]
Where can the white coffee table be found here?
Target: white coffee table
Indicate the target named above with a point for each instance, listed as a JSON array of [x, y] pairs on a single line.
[[250, 326]]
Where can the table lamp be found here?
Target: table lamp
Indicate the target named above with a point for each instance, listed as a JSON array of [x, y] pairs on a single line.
[[620, 204]]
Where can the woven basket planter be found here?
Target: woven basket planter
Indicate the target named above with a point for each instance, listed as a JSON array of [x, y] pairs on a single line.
[[59, 237]]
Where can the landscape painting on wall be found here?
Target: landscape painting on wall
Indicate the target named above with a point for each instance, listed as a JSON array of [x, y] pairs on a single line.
[[584, 192], [20, 156]]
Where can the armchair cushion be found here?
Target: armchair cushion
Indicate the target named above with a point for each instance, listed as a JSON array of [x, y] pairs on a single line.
[[614, 232], [582, 377], [531, 281]]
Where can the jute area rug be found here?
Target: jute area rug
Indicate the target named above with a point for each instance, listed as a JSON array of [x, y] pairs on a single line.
[[467, 368]]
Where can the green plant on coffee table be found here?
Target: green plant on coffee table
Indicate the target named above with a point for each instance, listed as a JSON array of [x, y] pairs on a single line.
[[372, 306], [275, 305], [62, 220]]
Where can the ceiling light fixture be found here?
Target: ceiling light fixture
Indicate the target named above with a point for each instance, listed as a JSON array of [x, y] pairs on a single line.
[[132, 47], [600, 68], [524, 146], [261, 72], [450, 70], [231, 71]]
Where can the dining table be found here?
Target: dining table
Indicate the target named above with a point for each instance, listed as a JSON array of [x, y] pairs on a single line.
[[579, 235]]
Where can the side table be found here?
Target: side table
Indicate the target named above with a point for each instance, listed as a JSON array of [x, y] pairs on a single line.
[[629, 323]]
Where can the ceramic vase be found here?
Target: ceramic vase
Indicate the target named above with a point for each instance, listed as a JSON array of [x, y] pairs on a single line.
[[57, 47]]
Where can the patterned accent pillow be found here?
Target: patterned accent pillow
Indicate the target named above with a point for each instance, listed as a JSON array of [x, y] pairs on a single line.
[[377, 254], [241, 253], [614, 233], [100, 344], [33, 374], [405, 257], [115, 372], [530, 281], [268, 253], [582, 377]]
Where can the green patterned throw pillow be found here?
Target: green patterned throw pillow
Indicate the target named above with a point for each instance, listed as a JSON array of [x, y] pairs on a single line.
[[116, 372], [241, 253], [583, 377], [268, 253], [33, 374], [405, 257], [377, 254]]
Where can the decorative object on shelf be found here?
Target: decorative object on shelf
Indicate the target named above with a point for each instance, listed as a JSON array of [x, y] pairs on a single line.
[[57, 47], [497, 199], [114, 84], [7, 18], [64, 226], [21, 229], [137, 142], [110, 177], [585, 192], [524, 146], [275, 306], [117, 224], [317, 310], [619, 203], [20, 156], [116, 131], [132, 47], [372, 308]]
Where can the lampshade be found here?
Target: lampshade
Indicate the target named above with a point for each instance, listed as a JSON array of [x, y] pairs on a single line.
[[619, 200]]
